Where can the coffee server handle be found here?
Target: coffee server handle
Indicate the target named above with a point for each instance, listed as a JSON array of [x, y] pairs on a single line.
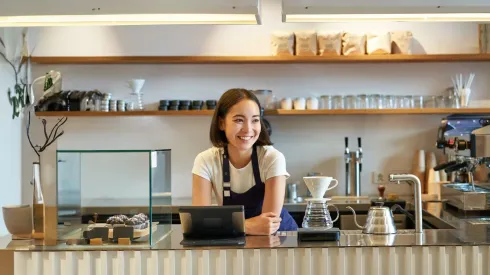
[[336, 209]]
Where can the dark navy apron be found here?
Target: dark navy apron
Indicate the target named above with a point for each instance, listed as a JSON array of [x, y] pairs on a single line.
[[253, 199]]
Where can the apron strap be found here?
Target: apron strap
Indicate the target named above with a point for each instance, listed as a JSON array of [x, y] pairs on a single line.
[[226, 174], [226, 171], [255, 167]]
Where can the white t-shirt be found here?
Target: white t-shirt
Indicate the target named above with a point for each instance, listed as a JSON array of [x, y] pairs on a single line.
[[209, 165]]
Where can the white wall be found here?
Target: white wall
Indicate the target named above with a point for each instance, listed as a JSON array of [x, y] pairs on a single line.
[[310, 143], [10, 142]]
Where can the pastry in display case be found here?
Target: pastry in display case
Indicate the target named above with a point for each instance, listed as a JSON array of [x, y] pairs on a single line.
[[113, 197]]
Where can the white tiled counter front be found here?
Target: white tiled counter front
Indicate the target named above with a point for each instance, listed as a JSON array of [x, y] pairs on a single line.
[[463, 250], [304, 261], [437, 252]]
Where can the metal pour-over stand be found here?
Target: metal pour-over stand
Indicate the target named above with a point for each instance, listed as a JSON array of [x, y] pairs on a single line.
[[317, 222]]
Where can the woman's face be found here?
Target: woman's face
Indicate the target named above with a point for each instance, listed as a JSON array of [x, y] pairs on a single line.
[[242, 124]]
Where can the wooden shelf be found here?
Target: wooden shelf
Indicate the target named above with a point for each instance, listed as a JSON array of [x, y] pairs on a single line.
[[426, 111], [392, 58], [129, 113]]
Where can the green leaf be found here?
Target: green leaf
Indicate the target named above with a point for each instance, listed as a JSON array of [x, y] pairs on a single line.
[[9, 93]]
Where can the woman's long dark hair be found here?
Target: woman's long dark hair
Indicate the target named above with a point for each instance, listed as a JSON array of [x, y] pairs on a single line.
[[228, 100]]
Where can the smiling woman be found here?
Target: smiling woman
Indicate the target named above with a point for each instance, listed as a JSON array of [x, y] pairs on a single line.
[[242, 167]]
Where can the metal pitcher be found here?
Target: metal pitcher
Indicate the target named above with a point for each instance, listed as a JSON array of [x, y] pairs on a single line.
[[380, 220]]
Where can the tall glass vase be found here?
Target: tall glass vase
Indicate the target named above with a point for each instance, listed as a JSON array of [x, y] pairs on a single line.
[[38, 206]]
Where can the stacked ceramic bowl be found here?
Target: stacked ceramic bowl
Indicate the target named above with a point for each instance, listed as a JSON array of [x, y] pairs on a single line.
[[121, 106], [104, 103], [113, 105]]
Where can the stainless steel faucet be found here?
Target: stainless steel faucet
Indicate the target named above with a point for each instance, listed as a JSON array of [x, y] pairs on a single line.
[[417, 193]]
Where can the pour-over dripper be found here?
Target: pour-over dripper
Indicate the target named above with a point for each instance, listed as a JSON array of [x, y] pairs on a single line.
[[136, 85], [136, 97], [318, 185]]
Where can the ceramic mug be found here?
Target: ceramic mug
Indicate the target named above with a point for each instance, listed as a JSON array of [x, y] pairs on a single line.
[[299, 103], [312, 103], [286, 103], [18, 219]]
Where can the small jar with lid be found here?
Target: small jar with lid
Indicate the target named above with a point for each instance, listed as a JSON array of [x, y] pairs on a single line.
[[338, 102], [326, 102]]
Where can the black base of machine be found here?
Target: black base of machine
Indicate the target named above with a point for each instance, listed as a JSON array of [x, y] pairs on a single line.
[[318, 234]]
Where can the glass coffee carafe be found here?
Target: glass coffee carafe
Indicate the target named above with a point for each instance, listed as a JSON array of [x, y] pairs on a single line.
[[317, 214]]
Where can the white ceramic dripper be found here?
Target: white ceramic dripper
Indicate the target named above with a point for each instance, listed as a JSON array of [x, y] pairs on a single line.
[[318, 185], [136, 96], [136, 85]]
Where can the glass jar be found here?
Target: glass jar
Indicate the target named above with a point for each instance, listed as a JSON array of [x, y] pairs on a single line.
[[389, 102], [376, 102], [338, 102], [350, 102], [430, 101], [399, 102], [408, 102], [418, 101], [441, 101], [326, 102], [362, 101]]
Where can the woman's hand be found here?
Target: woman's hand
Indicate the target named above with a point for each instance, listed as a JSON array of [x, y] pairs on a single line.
[[264, 224]]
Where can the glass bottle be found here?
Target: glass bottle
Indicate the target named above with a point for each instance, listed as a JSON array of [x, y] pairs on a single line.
[[38, 206]]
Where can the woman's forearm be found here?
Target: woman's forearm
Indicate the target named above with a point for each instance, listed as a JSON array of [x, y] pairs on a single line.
[[274, 195]]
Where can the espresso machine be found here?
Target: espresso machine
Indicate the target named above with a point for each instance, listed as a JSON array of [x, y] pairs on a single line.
[[465, 140]]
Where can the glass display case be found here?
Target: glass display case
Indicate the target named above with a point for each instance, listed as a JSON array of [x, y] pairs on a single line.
[[114, 197]]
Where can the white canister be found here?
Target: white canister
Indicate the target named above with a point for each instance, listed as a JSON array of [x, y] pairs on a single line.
[[299, 103], [312, 103], [286, 103]]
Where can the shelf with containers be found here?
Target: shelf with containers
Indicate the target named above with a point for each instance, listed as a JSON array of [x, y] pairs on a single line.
[[278, 112], [388, 58], [389, 110], [114, 195]]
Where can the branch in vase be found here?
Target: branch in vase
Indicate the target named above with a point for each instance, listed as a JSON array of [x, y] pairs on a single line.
[[28, 126], [45, 132], [49, 141], [11, 64], [53, 140]]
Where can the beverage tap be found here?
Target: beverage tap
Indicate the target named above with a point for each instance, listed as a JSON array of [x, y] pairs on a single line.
[[358, 167], [353, 176], [347, 158], [360, 153]]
